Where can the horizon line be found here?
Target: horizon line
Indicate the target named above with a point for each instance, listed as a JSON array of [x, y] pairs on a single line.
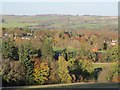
[[55, 15]]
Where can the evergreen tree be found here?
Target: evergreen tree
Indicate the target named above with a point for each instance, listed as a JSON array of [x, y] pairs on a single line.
[[63, 70], [47, 50], [112, 53], [24, 56], [65, 54], [105, 45], [7, 48], [83, 68]]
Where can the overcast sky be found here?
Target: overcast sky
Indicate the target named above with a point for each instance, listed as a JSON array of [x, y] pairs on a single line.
[[81, 8]]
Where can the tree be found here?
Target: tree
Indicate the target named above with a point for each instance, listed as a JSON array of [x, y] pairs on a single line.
[[54, 77], [105, 45], [47, 50], [9, 50], [14, 53], [74, 69], [112, 54], [13, 73], [64, 54], [87, 69], [82, 69], [114, 73], [63, 70], [41, 72], [84, 53], [86, 65], [24, 57]]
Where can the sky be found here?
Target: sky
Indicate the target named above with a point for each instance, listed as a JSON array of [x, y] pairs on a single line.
[[59, 0], [82, 8]]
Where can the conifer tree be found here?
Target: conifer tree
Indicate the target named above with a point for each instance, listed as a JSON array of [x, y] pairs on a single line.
[[24, 56], [63, 70], [47, 50]]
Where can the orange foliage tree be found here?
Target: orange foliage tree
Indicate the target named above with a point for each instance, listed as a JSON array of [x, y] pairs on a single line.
[[41, 72]]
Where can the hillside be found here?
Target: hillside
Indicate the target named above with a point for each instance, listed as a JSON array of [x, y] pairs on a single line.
[[60, 22]]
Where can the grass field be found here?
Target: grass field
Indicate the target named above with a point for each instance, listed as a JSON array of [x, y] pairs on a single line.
[[60, 21], [103, 65]]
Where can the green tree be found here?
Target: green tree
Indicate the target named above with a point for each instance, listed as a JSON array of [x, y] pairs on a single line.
[[82, 69], [24, 57], [74, 68], [7, 48], [84, 53], [63, 70], [114, 72], [86, 65], [47, 50], [65, 54], [105, 45], [112, 54]]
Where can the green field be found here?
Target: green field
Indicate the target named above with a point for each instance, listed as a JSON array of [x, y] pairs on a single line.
[[16, 24], [60, 21], [103, 65]]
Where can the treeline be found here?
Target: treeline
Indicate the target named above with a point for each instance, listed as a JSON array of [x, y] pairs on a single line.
[[25, 65]]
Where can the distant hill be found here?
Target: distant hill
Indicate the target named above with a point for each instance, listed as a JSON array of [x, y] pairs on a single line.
[[58, 22]]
